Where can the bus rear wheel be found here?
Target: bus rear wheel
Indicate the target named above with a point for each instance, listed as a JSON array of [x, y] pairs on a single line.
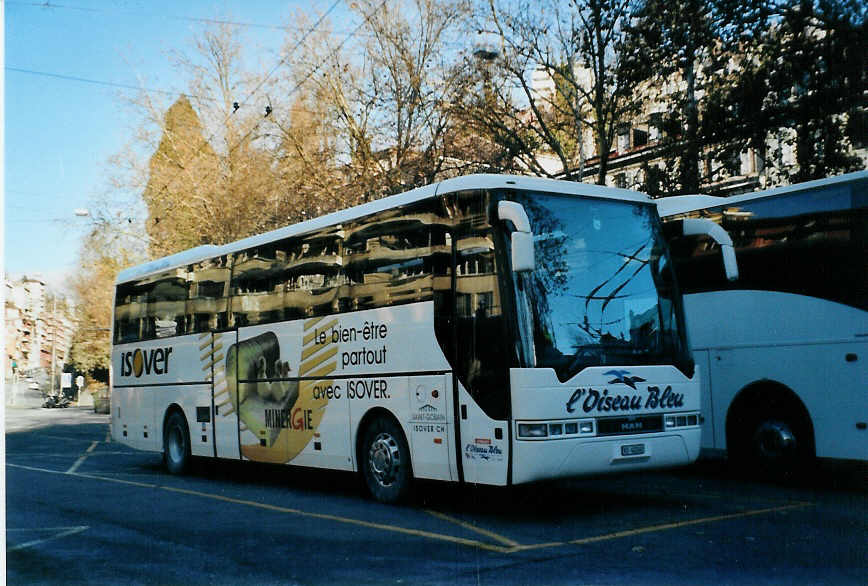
[[385, 461], [776, 445], [176, 444]]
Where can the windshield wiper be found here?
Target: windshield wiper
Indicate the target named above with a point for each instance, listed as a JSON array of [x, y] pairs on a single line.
[[633, 256]]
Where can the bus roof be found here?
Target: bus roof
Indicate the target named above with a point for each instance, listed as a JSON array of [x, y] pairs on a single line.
[[682, 204], [464, 183]]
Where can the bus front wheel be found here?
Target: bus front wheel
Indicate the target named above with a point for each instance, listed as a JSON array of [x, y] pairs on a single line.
[[385, 460], [176, 444]]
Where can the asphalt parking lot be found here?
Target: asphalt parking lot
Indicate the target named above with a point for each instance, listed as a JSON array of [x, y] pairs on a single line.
[[82, 509]]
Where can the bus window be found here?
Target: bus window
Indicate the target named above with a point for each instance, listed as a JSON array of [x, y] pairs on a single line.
[[394, 257], [208, 291]]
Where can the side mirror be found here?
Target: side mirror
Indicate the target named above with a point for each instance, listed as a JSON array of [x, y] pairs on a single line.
[[523, 258], [522, 252], [702, 226]]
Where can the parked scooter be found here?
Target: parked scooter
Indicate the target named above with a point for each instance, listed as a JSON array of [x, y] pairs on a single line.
[[55, 401]]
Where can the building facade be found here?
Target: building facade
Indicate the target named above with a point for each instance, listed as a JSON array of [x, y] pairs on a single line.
[[642, 147], [37, 326]]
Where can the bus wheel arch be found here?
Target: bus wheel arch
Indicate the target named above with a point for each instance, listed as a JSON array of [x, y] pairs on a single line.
[[176, 440], [383, 456], [768, 429]]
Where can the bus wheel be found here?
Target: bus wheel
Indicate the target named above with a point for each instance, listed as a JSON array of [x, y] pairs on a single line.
[[777, 446], [385, 460], [176, 444], [774, 441]]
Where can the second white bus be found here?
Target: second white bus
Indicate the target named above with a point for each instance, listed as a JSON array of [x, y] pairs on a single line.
[[784, 347]]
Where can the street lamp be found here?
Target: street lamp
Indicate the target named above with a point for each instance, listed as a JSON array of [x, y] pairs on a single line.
[[486, 46]]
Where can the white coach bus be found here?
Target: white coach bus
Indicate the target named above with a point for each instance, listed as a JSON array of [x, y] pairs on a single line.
[[783, 347], [486, 329]]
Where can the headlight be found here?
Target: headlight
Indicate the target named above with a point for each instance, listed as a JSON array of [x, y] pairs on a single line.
[[673, 421], [532, 430]]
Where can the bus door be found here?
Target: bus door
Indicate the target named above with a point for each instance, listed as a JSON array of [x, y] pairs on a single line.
[[224, 394], [481, 349], [483, 388]]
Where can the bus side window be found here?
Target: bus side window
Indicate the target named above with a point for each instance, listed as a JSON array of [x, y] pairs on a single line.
[[166, 306], [698, 263], [208, 291], [809, 243], [309, 275], [395, 257], [128, 313], [153, 307]]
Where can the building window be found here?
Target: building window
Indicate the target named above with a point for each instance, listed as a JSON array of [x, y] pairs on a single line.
[[621, 180], [655, 126], [623, 139]]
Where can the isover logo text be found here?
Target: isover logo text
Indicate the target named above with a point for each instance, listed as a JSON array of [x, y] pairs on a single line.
[[138, 362]]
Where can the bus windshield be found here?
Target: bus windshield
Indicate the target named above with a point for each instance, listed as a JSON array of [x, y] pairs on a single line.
[[603, 292]]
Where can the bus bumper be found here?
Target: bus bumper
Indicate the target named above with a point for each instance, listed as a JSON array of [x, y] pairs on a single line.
[[564, 458]]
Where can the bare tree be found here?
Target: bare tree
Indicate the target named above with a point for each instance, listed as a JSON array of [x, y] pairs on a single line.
[[213, 176], [564, 59], [386, 87]]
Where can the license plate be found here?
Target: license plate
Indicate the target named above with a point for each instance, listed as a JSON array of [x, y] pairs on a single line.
[[633, 450]]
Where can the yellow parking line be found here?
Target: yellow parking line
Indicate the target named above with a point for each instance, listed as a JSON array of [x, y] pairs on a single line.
[[345, 520], [298, 512], [67, 438], [509, 546], [474, 528], [680, 524], [26, 454], [81, 475]]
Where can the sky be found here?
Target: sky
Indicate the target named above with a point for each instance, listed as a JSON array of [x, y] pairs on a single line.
[[65, 64]]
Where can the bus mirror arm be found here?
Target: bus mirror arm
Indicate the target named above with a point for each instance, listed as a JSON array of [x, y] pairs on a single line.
[[702, 226], [522, 238]]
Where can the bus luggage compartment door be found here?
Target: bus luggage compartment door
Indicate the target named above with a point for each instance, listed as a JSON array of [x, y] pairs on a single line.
[[224, 391], [430, 427]]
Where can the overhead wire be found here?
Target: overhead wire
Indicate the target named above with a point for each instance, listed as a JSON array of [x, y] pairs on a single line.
[[291, 91], [203, 20], [158, 90], [102, 82], [281, 62], [244, 101]]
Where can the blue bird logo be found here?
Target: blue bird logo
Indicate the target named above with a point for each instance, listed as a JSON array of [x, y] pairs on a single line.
[[624, 377]]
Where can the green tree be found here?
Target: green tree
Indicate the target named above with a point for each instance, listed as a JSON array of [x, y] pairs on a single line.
[[801, 80], [671, 43]]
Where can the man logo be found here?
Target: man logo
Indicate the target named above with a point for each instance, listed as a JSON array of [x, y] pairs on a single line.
[[139, 362]]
